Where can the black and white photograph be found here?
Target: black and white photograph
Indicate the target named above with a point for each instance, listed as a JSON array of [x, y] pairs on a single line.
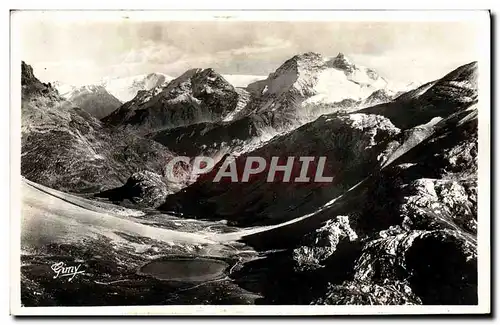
[[255, 162]]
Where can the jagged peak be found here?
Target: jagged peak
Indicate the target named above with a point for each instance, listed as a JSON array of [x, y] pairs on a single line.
[[201, 75], [209, 70], [27, 75], [198, 72], [194, 81], [307, 59], [342, 62], [308, 55], [342, 57]]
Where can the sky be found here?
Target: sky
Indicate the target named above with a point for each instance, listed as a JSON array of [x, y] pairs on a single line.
[[80, 51]]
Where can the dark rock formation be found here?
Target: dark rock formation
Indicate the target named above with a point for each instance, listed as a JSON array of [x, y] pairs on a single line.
[[144, 188], [416, 267], [212, 139], [31, 86], [322, 243]]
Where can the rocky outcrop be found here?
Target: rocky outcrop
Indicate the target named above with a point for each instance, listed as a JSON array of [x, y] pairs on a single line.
[[417, 267], [32, 87], [144, 188], [322, 243], [432, 202]]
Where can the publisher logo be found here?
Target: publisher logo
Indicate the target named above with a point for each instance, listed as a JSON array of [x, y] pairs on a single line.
[[61, 270]]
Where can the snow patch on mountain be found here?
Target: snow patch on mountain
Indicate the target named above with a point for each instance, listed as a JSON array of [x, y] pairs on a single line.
[[123, 88], [332, 86], [63, 89], [126, 88]]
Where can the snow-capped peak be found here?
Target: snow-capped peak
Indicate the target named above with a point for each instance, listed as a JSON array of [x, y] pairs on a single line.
[[69, 91], [313, 78]]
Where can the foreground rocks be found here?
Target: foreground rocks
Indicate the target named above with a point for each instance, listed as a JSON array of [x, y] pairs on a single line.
[[417, 267], [321, 244]]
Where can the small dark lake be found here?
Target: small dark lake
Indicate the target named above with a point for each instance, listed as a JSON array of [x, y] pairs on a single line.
[[189, 269]]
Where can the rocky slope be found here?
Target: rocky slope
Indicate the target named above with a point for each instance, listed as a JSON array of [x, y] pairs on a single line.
[[94, 100], [66, 148], [354, 144], [455, 91], [217, 139]]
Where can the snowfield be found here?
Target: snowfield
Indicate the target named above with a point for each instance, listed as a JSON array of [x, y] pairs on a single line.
[[333, 86], [50, 216]]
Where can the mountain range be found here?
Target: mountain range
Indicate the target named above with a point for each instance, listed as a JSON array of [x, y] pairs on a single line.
[[397, 225], [203, 101]]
